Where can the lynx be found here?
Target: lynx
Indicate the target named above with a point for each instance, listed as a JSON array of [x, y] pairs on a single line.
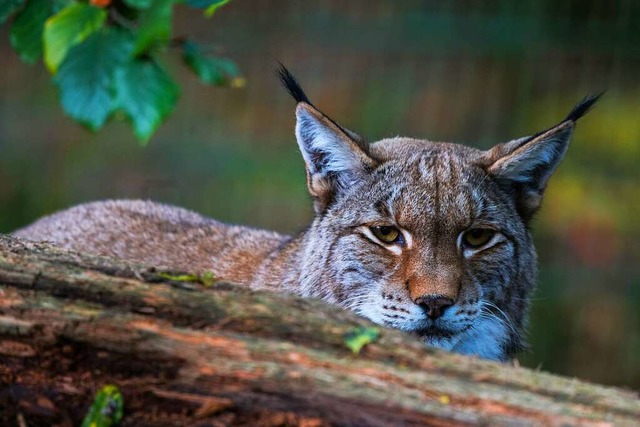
[[431, 238]]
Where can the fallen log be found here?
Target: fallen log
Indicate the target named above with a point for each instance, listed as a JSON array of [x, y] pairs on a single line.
[[188, 353]]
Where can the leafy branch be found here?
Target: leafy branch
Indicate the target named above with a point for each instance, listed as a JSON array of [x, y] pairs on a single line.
[[104, 56]]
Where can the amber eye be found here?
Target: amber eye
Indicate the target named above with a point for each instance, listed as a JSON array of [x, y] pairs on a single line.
[[386, 234], [477, 237]]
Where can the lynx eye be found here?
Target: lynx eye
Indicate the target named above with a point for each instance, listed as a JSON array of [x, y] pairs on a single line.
[[477, 237], [386, 234]]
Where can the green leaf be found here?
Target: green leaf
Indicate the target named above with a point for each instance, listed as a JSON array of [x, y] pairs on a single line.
[[8, 7], [86, 76], [212, 9], [207, 278], [58, 5], [210, 6], [26, 30], [203, 4], [146, 94], [67, 28], [212, 70], [359, 337], [139, 4], [155, 26], [107, 408]]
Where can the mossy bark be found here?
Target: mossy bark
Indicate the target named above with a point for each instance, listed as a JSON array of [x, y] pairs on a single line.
[[188, 354]]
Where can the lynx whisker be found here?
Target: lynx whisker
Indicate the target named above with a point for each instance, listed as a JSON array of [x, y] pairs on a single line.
[[485, 309], [356, 302]]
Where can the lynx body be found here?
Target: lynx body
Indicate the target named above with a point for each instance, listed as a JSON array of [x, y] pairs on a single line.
[[429, 238]]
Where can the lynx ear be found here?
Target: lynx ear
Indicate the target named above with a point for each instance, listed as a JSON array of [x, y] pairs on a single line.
[[335, 158], [525, 165]]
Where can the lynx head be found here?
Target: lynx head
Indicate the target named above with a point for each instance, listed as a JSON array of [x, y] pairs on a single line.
[[430, 238]]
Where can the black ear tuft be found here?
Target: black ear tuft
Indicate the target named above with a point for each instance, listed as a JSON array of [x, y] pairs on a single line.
[[577, 112], [291, 84], [582, 107]]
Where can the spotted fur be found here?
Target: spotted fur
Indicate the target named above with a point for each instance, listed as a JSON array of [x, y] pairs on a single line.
[[431, 192]]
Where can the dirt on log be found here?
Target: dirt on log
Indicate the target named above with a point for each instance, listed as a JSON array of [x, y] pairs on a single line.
[[184, 353]]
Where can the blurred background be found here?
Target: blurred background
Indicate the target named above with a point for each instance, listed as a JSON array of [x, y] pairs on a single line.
[[478, 72]]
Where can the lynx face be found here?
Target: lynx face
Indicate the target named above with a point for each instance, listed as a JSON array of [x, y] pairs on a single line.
[[426, 237], [427, 243]]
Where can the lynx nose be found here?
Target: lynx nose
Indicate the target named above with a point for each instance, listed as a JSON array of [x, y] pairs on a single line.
[[434, 305]]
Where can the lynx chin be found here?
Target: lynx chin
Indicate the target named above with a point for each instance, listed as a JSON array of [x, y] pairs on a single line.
[[431, 238]]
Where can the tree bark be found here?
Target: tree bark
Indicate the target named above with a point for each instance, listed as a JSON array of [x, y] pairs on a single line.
[[184, 353]]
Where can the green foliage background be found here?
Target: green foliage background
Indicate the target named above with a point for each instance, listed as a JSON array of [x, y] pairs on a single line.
[[104, 55], [477, 72]]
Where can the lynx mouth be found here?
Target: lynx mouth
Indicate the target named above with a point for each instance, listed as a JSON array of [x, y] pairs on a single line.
[[434, 332]]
